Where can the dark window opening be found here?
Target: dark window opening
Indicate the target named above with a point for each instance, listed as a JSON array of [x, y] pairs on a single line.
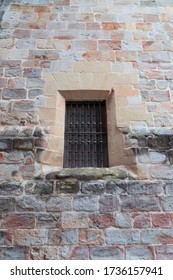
[[85, 134]]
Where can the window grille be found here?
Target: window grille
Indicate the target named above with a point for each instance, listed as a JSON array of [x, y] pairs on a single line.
[[85, 134]]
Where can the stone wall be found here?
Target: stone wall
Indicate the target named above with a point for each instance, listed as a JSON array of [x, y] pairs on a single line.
[[86, 214], [55, 50]]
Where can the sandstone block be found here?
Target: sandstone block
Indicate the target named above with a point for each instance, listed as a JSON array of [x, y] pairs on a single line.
[[108, 203]]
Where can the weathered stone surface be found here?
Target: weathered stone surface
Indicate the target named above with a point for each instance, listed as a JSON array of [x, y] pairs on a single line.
[[6, 144], [75, 220], [88, 173], [106, 253], [116, 187], [86, 203], [123, 220], [23, 144], [108, 203], [7, 205], [93, 188], [14, 253], [11, 188], [67, 186], [30, 203], [117, 236], [157, 236], [101, 220], [16, 221], [46, 220], [145, 188], [58, 204], [140, 203], [30, 237], [139, 253], [164, 252]]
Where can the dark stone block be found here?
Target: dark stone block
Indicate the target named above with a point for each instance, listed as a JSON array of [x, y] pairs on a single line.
[[67, 186], [23, 143], [6, 144], [43, 188], [159, 143]]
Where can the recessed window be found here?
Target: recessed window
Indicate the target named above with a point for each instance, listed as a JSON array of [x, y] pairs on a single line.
[[85, 141]]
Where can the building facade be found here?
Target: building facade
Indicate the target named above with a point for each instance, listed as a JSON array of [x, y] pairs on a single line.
[[60, 56]]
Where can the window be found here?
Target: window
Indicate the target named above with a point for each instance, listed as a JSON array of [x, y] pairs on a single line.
[[85, 142]]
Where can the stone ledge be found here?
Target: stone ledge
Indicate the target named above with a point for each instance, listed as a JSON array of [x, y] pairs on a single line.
[[88, 173]]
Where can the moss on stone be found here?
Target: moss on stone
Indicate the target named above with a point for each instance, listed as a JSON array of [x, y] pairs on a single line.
[[89, 173]]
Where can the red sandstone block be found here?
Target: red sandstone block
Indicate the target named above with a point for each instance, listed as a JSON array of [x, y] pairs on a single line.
[[162, 220], [62, 2], [113, 26], [142, 221], [99, 55], [42, 9], [18, 221], [101, 220]]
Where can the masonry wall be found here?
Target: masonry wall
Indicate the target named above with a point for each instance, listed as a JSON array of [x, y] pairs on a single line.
[[55, 50]]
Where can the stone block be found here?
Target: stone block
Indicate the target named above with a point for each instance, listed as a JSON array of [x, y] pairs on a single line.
[[123, 220], [157, 236], [32, 72], [23, 106], [106, 253], [164, 252], [7, 205], [16, 72], [108, 203], [166, 203], [14, 253], [80, 253], [48, 220], [67, 186], [142, 221], [101, 220], [91, 236], [137, 203], [54, 237], [30, 237], [93, 187], [162, 220], [30, 203], [11, 188], [18, 221], [6, 144], [139, 253], [161, 172], [75, 220], [60, 203], [121, 237], [5, 238], [145, 188], [116, 187], [34, 83], [69, 237], [86, 203], [23, 143]]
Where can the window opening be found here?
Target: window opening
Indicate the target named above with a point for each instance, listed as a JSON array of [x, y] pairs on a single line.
[[85, 143]]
